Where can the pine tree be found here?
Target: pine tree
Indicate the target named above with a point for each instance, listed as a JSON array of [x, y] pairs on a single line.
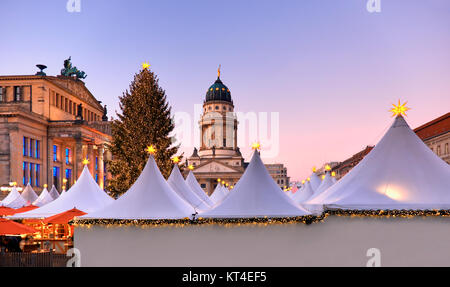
[[145, 120]]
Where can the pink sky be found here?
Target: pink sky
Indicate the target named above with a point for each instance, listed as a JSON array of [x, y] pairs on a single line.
[[330, 68]]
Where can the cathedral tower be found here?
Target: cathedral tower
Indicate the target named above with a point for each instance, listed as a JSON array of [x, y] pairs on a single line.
[[219, 155]]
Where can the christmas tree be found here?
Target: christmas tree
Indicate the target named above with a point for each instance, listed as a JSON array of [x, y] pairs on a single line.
[[145, 120]]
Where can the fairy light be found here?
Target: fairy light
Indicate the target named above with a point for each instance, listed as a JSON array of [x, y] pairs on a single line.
[[228, 222]]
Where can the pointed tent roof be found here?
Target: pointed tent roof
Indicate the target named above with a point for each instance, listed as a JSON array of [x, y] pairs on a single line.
[[192, 182], [84, 195], [43, 198], [255, 195], [304, 193], [401, 172], [14, 199], [150, 197], [177, 183], [325, 184], [29, 195], [314, 181], [218, 194], [298, 189], [54, 192]]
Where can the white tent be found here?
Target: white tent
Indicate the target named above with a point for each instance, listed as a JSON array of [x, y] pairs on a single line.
[[192, 182], [304, 193], [314, 180], [54, 192], [401, 172], [291, 192], [150, 197], [29, 195], [84, 195], [13, 199], [43, 198], [255, 195], [177, 183], [325, 184], [219, 193]]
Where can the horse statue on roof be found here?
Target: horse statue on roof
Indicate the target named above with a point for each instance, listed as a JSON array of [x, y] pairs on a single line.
[[70, 71]]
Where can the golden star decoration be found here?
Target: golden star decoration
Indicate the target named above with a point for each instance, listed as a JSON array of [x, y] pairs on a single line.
[[151, 149], [256, 146], [314, 169], [399, 109], [85, 161], [191, 167], [145, 66], [327, 167], [175, 159]]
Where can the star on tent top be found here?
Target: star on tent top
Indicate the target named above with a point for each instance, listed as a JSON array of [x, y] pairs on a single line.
[[399, 109], [256, 146], [151, 149]]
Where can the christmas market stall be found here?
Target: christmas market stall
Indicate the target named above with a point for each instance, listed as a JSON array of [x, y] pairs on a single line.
[[84, 196]]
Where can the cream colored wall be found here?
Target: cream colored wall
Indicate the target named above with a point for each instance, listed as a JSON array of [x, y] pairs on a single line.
[[440, 141], [339, 241]]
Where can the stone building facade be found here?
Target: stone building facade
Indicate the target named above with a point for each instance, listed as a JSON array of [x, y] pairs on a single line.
[[48, 125], [436, 135]]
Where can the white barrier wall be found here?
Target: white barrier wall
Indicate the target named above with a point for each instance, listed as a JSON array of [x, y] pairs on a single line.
[[338, 241]]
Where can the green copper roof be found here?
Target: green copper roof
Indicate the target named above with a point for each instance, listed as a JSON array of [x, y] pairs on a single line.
[[218, 92]]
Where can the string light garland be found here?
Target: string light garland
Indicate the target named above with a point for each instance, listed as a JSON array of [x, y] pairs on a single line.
[[261, 221], [404, 213], [308, 219]]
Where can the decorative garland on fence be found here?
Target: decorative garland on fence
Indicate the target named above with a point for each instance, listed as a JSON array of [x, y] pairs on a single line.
[[309, 219], [404, 213], [229, 222]]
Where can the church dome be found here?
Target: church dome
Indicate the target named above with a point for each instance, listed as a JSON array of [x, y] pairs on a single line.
[[218, 92]]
